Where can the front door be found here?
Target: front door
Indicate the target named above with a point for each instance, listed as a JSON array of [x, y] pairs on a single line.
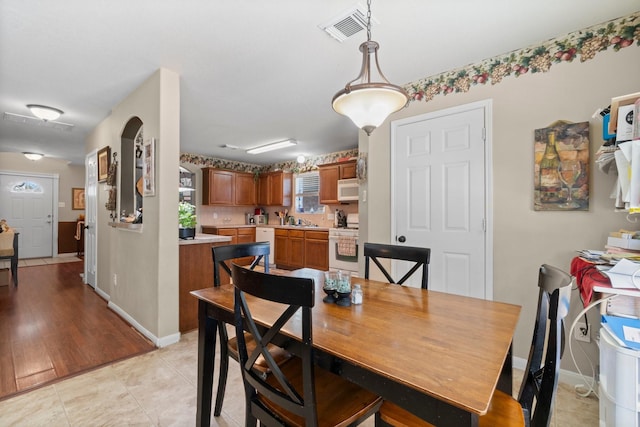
[[26, 202], [439, 193]]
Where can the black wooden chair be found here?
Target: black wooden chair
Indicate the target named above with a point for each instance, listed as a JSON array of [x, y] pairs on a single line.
[[421, 257], [296, 393], [539, 385], [222, 256]]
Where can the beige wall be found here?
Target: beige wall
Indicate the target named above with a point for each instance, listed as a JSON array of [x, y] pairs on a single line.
[[146, 263], [69, 176], [523, 238]]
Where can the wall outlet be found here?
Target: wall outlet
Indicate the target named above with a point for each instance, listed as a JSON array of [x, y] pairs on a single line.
[[581, 333], [115, 279]]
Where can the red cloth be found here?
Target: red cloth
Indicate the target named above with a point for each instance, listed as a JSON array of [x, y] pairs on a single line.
[[587, 276]]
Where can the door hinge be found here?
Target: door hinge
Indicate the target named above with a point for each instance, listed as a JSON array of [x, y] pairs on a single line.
[[484, 225], [484, 134]]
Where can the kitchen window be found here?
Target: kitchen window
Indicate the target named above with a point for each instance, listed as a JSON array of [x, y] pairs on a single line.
[[307, 191]]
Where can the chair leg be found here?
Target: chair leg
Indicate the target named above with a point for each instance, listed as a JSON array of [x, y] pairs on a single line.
[[224, 368]]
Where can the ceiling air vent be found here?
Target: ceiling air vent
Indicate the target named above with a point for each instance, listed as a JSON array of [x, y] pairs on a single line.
[[350, 22], [32, 121]]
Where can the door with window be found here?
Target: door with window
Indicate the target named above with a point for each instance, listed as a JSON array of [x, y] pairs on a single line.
[[439, 196], [91, 208], [26, 202]]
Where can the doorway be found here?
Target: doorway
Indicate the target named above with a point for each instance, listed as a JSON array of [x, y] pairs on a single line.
[[440, 181], [27, 202], [91, 212]]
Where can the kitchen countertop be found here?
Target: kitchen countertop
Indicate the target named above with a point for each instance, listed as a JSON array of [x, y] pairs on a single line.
[[204, 238], [286, 227]]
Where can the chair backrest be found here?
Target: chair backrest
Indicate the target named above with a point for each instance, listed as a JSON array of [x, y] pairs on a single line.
[[221, 254], [540, 380], [295, 294], [420, 256]]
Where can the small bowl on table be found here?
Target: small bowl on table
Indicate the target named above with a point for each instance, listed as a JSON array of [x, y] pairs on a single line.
[[332, 295]]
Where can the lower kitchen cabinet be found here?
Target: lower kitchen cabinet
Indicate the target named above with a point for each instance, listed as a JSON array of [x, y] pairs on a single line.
[[238, 235], [316, 250], [196, 272], [299, 249]]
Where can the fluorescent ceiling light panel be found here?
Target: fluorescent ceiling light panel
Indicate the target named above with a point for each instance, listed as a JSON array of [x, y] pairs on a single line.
[[273, 146]]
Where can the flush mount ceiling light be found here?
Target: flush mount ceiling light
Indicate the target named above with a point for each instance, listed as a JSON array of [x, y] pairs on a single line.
[[300, 159], [368, 103], [272, 146], [45, 113], [33, 156]]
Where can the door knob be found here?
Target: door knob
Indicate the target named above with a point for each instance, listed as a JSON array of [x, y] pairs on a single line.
[[86, 227], [402, 239]]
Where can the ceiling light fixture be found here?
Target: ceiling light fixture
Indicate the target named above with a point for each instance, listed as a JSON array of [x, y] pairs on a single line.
[[369, 103], [300, 159], [45, 113], [33, 156], [273, 146]]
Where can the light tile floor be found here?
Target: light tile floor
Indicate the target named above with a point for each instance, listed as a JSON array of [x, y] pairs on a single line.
[[159, 389], [6, 263]]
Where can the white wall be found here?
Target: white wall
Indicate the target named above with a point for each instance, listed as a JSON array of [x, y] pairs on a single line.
[[146, 263], [525, 239]]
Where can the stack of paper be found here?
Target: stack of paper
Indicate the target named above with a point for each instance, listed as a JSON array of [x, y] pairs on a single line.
[[625, 274]]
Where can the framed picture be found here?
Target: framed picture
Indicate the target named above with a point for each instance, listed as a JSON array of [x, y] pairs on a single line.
[[104, 161], [149, 167], [561, 178], [77, 198]]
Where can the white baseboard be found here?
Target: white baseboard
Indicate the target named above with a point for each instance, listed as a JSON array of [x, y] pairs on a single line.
[[158, 342]]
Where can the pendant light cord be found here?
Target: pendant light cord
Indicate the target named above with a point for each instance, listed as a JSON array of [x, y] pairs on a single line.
[[369, 20]]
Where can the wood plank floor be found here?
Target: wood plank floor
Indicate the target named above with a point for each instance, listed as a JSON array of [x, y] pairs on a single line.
[[53, 326]]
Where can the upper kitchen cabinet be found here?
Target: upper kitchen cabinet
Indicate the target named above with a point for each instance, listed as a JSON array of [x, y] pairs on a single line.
[[274, 189], [329, 176], [227, 188]]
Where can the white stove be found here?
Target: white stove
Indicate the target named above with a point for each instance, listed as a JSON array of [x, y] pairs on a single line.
[[343, 249]]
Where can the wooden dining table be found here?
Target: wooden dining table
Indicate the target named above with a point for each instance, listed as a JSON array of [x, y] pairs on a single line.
[[438, 355]]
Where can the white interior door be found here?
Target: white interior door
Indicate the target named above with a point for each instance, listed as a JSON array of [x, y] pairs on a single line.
[[91, 212], [439, 196], [26, 202]]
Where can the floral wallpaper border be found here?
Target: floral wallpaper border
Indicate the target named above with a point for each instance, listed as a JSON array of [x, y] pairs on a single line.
[[585, 44], [310, 163]]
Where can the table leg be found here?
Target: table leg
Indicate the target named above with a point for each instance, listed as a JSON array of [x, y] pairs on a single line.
[[207, 328], [505, 382]]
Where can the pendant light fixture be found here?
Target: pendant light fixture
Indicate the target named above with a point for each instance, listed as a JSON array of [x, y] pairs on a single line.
[[368, 102]]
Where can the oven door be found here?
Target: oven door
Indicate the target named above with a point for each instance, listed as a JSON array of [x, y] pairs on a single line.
[[342, 262]]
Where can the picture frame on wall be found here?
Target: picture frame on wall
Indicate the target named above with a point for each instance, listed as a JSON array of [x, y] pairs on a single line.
[[149, 167], [104, 161], [77, 198]]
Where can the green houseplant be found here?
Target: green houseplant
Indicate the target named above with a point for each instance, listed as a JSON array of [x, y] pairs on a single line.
[[187, 220]]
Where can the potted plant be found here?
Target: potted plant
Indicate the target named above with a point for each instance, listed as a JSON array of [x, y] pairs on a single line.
[[187, 220]]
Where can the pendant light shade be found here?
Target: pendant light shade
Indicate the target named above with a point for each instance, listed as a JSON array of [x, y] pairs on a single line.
[[370, 98]]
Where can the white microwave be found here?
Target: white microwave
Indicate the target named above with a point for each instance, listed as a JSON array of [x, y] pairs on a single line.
[[348, 190]]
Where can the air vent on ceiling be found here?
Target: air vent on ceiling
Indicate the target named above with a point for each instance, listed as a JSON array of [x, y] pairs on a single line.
[[32, 121], [348, 23]]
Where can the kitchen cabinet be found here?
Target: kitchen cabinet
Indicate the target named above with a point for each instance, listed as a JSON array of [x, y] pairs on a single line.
[[238, 235], [196, 272], [316, 250], [274, 189], [329, 176], [228, 188], [299, 249]]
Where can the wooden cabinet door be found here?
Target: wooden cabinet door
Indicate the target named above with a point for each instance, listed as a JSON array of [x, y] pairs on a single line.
[[245, 189], [281, 249], [264, 189], [217, 187], [316, 250], [329, 184], [348, 170], [296, 249], [246, 235], [275, 189]]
